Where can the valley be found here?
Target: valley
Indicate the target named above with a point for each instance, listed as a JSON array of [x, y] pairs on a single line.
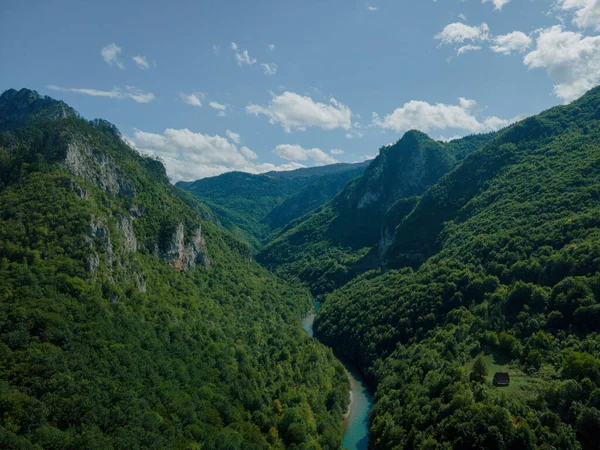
[[136, 313]]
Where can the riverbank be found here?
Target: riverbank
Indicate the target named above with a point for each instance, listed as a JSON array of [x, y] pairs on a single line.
[[356, 420]]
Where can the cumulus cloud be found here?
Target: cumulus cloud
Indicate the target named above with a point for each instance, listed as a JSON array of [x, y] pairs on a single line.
[[297, 153], [336, 151], [110, 54], [431, 117], [371, 7], [467, 48], [294, 111], [498, 4], [248, 154], [511, 42], [457, 33], [189, 156], [194, 99], [571, 60], [141, 61], [234, 137], [219, 107], [130, 92], [271, 47], [270, 69], [586, 13]]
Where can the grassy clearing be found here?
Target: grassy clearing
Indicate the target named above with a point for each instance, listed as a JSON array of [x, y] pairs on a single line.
[[521, 384]]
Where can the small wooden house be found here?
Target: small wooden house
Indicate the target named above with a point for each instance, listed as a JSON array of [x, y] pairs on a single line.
[[501, 379]]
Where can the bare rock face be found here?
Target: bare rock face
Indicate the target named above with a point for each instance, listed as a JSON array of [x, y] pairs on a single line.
[[98, 236], [129, 240], [97, 169], [184, 256]]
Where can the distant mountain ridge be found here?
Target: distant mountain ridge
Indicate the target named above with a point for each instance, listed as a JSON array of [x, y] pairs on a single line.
[[254, 206], [347, 235]]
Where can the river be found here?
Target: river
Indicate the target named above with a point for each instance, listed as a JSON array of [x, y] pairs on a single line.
[[356, 424]]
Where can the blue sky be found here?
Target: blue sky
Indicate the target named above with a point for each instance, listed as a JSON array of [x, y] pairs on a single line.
[[256, 85]]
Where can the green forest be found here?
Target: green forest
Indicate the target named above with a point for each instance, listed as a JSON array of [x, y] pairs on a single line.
[[496, 269], [134, 315], [446, 263], [128, 319]]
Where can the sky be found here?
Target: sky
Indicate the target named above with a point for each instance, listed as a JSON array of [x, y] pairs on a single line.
[[211, 86]]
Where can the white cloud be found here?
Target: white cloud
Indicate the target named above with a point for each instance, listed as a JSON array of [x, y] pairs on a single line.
[[138, 95], [571, 60], [270, 69], [132, 93], [462, 17], [586, 12], [141, 61], [248, 154], [194, 99], [216, 49], [457, 33], [511, 42], [294, 111], [110, 54], [219, 107], [297, 153], [427, 117], [242, 57], [114, 93], [189, 156], [336, 151], [271, 47], [445, 139], [371, 7], [498, 4], [468, 48], [364, 158], [235, 137]]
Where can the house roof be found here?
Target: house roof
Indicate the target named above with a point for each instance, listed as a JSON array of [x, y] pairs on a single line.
[[501, 376]]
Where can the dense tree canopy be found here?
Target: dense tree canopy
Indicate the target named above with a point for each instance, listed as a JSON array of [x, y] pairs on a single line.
[[497, 266], [127, 320]]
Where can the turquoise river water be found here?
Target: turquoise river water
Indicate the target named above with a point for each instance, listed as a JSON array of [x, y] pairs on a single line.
[[356, 424]]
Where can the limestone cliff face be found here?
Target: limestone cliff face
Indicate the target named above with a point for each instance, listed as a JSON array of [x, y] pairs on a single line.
[[96, 168], [182, 255], [404, 169]]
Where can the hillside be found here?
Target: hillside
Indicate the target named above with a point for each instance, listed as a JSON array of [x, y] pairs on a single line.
[[346, 236], [129, 320], [253, 206], [498, 259]]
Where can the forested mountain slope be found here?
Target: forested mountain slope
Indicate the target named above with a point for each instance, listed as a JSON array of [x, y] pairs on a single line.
[[506, 253], [129, 321], [253, 206], [325, 248]]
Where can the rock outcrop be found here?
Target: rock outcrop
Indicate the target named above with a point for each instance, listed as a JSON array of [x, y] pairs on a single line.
[[184, 256]]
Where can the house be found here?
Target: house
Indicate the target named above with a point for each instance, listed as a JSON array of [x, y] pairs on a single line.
[[501, 379]]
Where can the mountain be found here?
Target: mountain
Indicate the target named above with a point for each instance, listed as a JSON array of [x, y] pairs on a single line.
[[497, 269], [253, 206], [327, 247], [128, 319]]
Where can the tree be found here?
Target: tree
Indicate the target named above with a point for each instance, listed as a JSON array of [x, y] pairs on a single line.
[[479, 371]]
